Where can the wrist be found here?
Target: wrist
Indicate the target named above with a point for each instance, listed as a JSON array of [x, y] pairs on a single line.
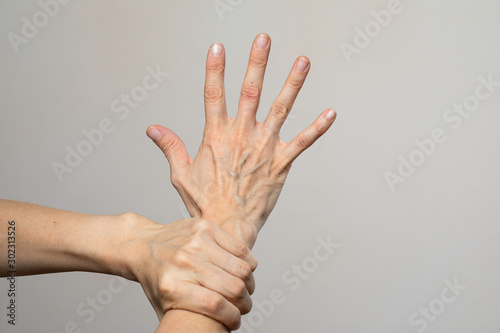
[[241, 222], [113, 245], [126, 250], [242, 230], [181, 321]]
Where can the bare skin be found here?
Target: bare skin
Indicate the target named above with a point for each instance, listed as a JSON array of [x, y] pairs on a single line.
[[189, 264], [241, 165]]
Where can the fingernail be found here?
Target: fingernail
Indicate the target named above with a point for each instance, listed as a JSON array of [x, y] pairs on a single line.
[[216, 49], [262, 42], [154, 134], [302, 65], [330, 115]]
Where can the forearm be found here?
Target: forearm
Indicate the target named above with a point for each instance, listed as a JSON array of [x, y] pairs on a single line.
[[49, 240]]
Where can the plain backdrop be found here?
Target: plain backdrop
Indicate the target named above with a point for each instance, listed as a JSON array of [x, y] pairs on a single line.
[[396, 248]]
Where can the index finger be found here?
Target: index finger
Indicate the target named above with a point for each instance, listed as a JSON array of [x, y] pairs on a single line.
[[215, 99], [234, 246]]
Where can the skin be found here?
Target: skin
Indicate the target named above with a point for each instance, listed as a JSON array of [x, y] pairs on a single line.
[[240, 168], [188, 264]]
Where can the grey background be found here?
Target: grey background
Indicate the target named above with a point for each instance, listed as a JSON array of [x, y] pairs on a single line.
[[396, 247]]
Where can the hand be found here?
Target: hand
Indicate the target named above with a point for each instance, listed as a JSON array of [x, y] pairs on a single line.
[[191, 264], [241, 164]]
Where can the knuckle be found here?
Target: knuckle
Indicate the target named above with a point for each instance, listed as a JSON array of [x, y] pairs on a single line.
[[302, 142], [167, 287], [237, 288], [171, 294], [320, 129], [255, 263], [258, 62], [215, 67], [279, 110], [244, 269], [214, 94], [213, 137], [171, 146], [267, 137], [240, 249], [212, 303], [250, 92], [295, 83], [195, 244], [182, 259]]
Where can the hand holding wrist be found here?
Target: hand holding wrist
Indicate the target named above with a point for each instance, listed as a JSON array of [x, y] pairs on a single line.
[[191, 264]]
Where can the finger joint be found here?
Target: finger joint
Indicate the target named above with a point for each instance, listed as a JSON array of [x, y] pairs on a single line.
[[279, 110], [214, 95], [250, 92]]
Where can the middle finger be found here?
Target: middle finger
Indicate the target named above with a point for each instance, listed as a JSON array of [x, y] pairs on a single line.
[[254, 78]]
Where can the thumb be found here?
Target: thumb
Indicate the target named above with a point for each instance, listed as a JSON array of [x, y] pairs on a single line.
[[171, 145]]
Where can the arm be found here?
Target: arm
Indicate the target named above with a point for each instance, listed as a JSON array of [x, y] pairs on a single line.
[[241, 165], [176, 264], [49, 240]]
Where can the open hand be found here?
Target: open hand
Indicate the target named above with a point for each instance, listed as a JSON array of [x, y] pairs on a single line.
[[241, 164]]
